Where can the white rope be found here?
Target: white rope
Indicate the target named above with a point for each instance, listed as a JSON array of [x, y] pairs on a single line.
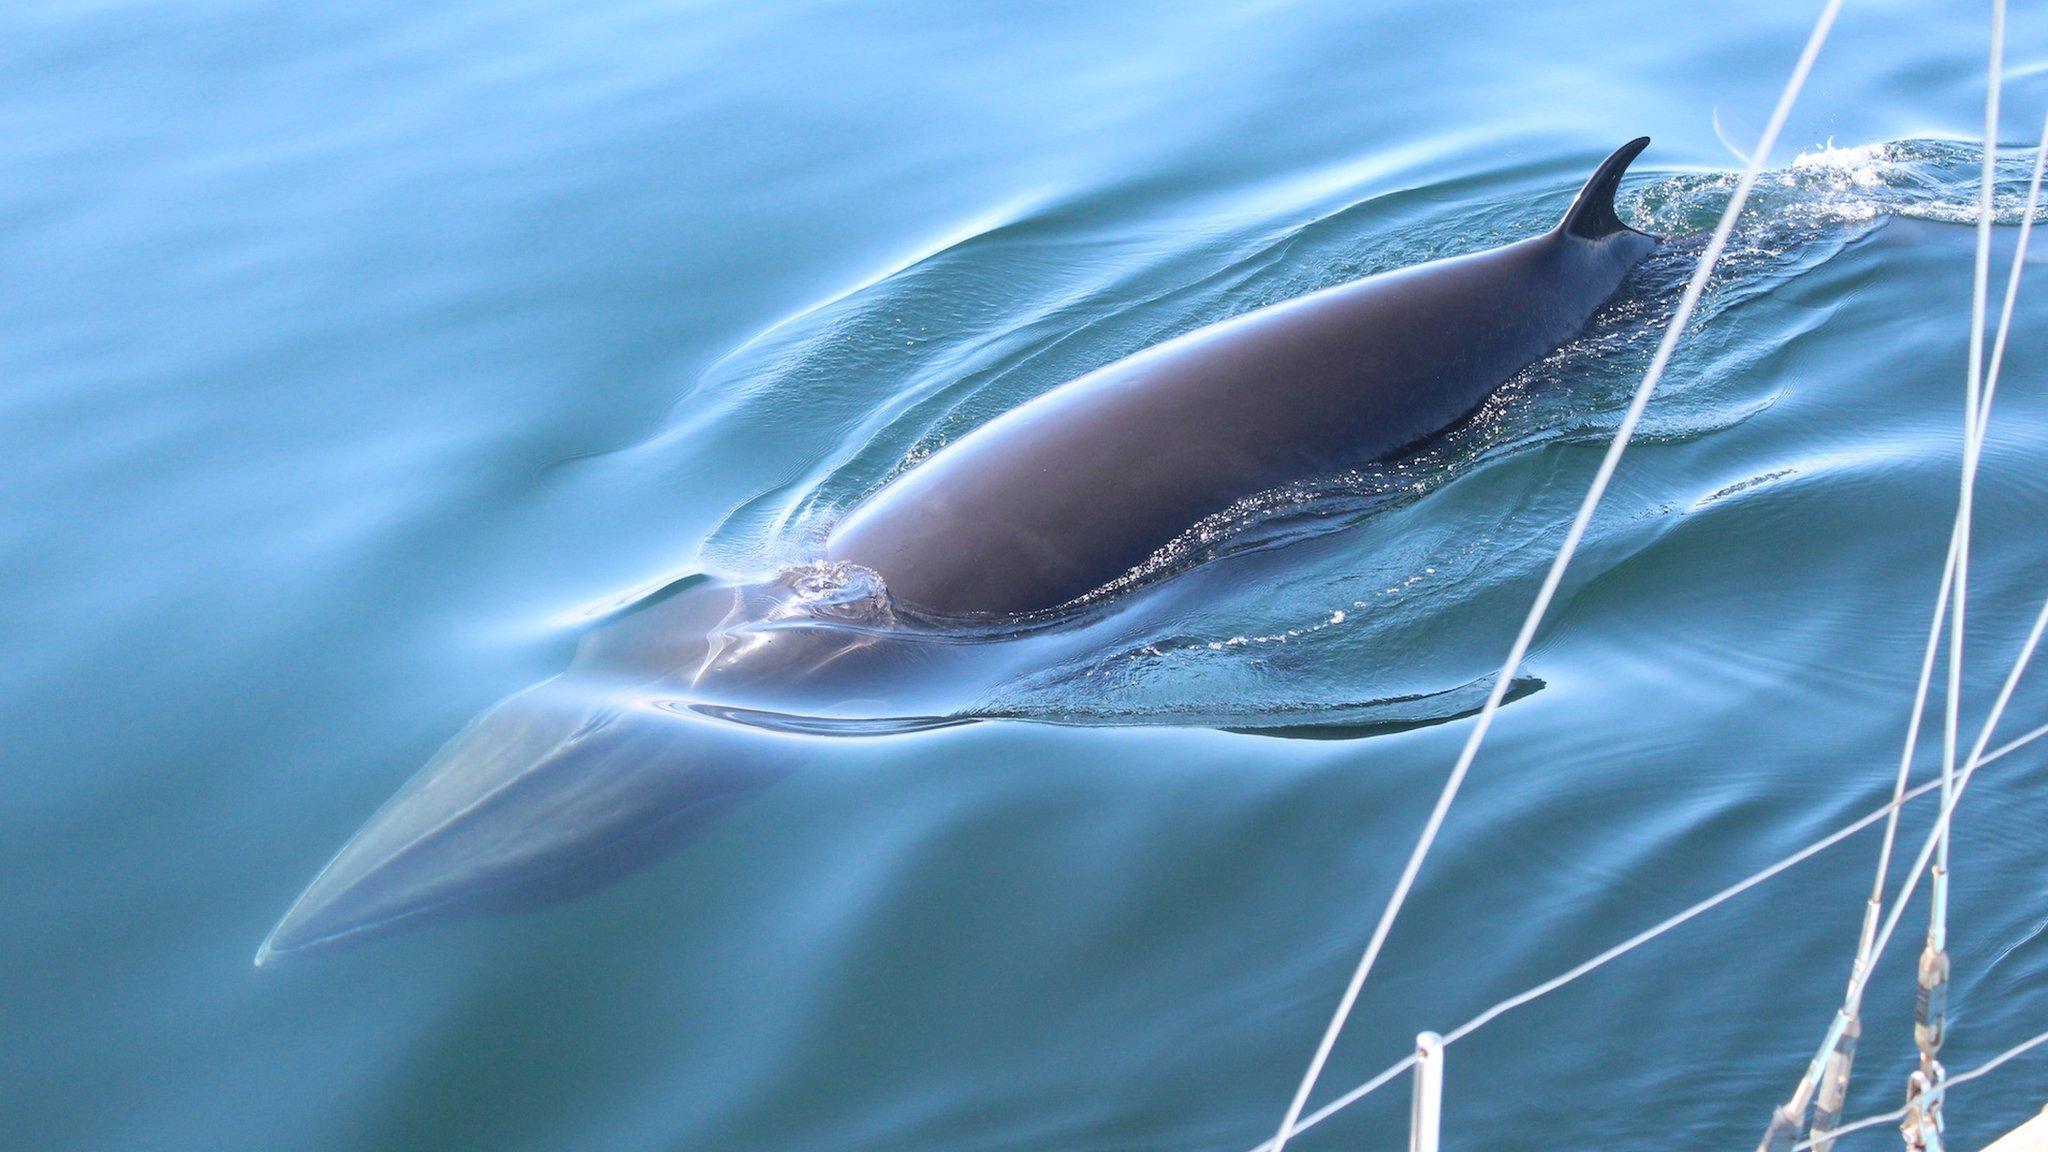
[[1688, 301], [1644, 937], [1973, 435], [1985, 1068], [1891, 828], [1979, 389], [1948, 570], [2012, 282], [1977, 430], [2005, 691]]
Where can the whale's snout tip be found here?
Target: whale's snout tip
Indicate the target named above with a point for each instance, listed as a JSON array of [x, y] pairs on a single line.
[[344, 902], [328, 914], [275, 943], [272, 947]]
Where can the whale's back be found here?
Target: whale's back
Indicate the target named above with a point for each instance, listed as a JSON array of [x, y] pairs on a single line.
[[1071, 491]]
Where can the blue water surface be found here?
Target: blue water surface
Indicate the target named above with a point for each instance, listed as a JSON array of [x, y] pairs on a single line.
[[352, 354]]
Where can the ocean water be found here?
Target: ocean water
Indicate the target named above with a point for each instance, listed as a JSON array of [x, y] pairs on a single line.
[[352, 355]]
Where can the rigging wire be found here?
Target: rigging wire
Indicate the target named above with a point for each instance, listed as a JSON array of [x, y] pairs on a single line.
[[1973, 432], [1828, 1072], [1836, 1079], [1688, 301], [1924, 1092], [1676, 920], [1942, 595]]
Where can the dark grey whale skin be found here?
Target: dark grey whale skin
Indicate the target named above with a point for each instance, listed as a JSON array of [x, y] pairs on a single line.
[[585, 777], [1070, 491]]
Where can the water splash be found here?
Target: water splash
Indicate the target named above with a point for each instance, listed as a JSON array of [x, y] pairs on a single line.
[[837, 590]]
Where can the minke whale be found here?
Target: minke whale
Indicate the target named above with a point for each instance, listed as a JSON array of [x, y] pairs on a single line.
[[950, 579]]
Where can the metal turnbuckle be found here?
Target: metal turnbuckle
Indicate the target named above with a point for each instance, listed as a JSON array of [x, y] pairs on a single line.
[[1930, 1006], [1834, 1086]]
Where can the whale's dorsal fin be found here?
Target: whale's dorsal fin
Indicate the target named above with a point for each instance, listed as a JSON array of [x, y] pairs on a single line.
[[1591, 215]]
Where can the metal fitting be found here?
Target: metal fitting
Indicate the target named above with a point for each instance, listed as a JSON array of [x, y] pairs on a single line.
[[1923, 1125], [1930, 1008], [1834, 1085]]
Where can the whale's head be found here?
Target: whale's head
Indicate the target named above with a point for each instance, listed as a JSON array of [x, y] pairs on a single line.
[[558, 790], [580, 779]]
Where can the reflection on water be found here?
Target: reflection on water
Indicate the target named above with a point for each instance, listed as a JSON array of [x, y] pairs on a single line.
[[364, 364]]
